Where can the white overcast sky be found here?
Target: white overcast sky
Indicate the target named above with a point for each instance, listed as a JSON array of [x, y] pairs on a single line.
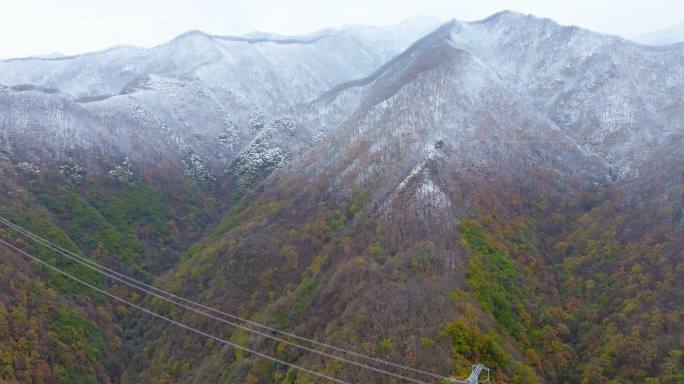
[[34, 27]]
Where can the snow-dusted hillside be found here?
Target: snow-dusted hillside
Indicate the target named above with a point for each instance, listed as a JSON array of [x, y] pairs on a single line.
[[268, 72], [509, 184], [434, 109], [196, 97], [211, 98], [616, 99], [613, 96]]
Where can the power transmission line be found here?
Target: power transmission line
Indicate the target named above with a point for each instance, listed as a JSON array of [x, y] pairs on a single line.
[[149, 288], [168, 319], [79, 260]]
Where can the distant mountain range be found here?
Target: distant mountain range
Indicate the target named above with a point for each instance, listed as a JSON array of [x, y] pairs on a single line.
[[507, 191], [670, 35]]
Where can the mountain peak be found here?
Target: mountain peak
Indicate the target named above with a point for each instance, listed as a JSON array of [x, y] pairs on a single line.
[[192, 32], [449, 26], [500, 16], [192, 35], [513, 18], [433, 50]]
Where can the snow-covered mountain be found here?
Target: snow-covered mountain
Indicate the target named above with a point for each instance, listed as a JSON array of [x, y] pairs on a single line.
[[510, 180], [670, 35], [434, 110], [614, 97], [610, 97], [197, 96], [511, 115], [290, 69], [206, 99]]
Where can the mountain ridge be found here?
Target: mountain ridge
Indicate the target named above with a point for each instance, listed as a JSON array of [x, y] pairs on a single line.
[[668, 36], [245, 37], [505, 192]]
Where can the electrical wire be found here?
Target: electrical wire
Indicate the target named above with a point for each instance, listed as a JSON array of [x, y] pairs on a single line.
[[123, 279], [170, 320]]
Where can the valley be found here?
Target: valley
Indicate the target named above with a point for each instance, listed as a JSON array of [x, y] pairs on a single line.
[[508, 191]]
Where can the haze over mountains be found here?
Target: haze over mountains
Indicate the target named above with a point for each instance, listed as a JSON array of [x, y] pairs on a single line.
[[506, 191], [670, 35]]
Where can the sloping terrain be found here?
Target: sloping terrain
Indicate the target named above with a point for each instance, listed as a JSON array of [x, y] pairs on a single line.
[[192, 104], [617, 98], [434, 217], [507, 191]]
